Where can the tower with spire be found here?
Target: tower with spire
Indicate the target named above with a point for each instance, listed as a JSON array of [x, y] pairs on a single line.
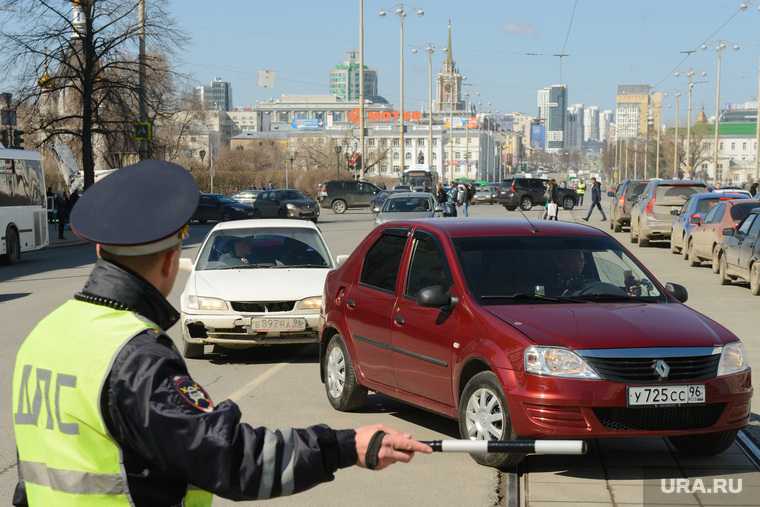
[[448, 85]]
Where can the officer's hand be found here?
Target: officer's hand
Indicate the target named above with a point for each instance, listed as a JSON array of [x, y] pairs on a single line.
[[395, 446]]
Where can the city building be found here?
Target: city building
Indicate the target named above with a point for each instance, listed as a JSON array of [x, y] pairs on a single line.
[[217, 96], [574, 127], [632, 105], [606, 120], [345, 78], [448, 84], [552, 108], [591, 124]]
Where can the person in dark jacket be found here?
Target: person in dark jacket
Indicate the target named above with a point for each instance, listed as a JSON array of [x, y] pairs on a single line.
[[551, 195], [129, 423], [596, 199], [62, 212]]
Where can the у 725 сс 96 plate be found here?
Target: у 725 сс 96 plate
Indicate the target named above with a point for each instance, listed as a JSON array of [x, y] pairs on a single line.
[[648, 396]]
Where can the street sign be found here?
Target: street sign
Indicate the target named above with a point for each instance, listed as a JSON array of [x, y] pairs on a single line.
[[142, 131]]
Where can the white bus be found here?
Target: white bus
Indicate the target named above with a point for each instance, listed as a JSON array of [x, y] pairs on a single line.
[[23, 204]]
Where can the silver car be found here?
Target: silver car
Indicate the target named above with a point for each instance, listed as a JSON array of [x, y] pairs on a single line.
[[408, 205]]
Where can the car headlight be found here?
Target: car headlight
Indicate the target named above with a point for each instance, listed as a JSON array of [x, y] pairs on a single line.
[[378, 221], [314, 303], [732, 359], [557, 362], [203, 303], [290, 206]]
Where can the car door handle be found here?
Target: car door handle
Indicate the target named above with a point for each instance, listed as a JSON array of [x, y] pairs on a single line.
[[350, 303], [399, 320]]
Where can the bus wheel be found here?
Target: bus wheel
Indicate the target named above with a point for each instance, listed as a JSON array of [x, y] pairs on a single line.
[[12, 247]]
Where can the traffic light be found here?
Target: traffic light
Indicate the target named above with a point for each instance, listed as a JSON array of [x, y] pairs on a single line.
[[358, 161], [18, 139], [6, 138]]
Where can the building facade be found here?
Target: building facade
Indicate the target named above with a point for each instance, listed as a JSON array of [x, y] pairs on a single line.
[[552, 108], [345, 78], [633, 104], [217, 96]]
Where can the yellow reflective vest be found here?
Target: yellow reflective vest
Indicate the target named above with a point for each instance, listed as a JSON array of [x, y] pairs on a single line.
[[66, 456], [581, 188]]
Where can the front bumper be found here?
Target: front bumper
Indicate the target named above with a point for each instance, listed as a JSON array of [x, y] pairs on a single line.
[[235, 331], [308, 214], [542, 407]]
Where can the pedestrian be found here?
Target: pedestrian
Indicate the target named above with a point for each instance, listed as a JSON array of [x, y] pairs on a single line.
[[270, 186], [552, 210], [441, 197], [61, 210], [453, 197], [72, 201], [753, 189], [130, 426], [596, 198], [383, 186], [581, 191], [425, 187], [563, 184]]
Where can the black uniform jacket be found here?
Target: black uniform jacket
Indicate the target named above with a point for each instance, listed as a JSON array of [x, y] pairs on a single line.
[[170, 441]]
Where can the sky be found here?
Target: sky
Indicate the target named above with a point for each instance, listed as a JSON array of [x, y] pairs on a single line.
[[506, 48]]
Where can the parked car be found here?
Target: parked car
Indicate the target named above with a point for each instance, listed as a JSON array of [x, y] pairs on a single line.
[[501, 191], [622, 202], [406, 205], [529, 192], [376, 204], [286, 203], [650, 215], [246, 196], [740, 252], [730, 190], [696, 206], [705, 239], [254, 283], [340, 195], [220, 207], [405, 188], [519, 333], [484, 194]]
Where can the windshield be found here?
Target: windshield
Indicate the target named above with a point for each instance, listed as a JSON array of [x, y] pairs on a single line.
[[290, 195], [407, 204], [226, 199], [520, 268], [264, 248]]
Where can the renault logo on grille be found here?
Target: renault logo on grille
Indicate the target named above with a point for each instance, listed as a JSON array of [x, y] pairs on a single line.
[[662, 368]]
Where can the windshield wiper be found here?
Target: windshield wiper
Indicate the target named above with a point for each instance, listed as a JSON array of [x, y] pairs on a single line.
[[613, 297], [249, 266], [520, 296], [304, 266]]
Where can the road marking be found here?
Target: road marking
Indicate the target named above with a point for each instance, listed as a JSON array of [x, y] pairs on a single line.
[[253, 384]]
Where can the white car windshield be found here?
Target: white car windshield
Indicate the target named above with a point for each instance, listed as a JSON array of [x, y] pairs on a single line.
[[407, 204], [264, 248]]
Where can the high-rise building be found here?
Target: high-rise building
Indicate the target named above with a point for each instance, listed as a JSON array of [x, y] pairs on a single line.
[[217, 97], [552, 107], [345, 78], [591, 124], [574, 127], [606, 119], [633, 105]]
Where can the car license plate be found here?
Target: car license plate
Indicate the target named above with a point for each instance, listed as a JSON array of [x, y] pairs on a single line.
[[648, 396], [265, 325]]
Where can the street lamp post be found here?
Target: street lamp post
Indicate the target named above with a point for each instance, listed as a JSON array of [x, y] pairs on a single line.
[[292, 157], [401, 11], [719, 46], [430, 48], [690, 75], [743, 7], [677, 95], [337, 161]]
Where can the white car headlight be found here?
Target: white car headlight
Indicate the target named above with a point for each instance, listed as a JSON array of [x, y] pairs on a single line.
[[311, 303], [732, 359], [202, 303], [290, 206], [557, 362]]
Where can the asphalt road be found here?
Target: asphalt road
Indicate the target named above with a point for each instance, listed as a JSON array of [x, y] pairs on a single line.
[[280, 386]]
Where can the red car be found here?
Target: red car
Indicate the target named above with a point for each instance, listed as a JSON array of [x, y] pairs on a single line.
[[523, 330]]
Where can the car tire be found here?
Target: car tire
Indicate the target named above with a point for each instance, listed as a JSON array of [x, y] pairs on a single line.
[[12, 247], [526, 203], [706, 444], [716, 259], [339, 206], [280, 213], [510, 208], [694, 260], [483, 400], [315, 220], [256, 214], [343, 391], [226, 216], [673, 248], [643, 242], [568, 203], [191, 350], [634, 238], [723, 268], [618, 227], [754, 279]]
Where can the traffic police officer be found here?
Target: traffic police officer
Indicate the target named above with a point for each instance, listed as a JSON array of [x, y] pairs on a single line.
[[581, 191], [104, 409]]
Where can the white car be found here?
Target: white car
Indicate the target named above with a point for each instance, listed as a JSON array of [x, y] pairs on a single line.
[[406, 205], [254, 282]]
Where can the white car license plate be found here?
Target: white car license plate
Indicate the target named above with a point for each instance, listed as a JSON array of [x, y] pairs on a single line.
[[265, 325], [666, 395]]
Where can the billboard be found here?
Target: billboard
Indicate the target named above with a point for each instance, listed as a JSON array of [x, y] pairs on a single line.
[[308, 123]]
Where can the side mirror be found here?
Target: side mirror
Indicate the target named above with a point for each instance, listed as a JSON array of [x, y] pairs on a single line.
[[728, 231], [339, 260], [185, 264], [634, 198], [696, 220], [677, 291], [438, 209], [611, 193], [435, 297], [675, 212]]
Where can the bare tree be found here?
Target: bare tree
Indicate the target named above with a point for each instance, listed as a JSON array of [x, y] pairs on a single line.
[[76, 64]]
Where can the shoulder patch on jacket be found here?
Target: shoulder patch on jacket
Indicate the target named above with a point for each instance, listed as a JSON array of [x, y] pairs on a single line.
[[193, 393]]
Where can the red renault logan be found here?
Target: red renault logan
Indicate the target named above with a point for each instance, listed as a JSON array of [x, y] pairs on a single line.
[[552, 330]]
